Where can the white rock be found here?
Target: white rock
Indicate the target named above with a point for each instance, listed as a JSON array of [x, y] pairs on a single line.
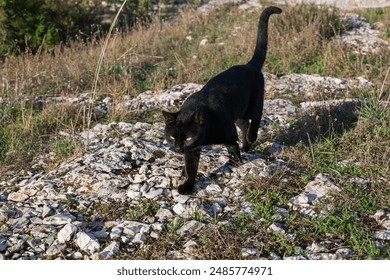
[[239, 193], [249, 5], [295, 258], [163, 214], [179, 197], [275, 227], [139, 178], [179, 208], [110, 250], [131, 228], [139, 238], [382, 235], [133, 194], [213, 189], [116, 232], [314, 191], [87, 242], [379, 245], [383, 218], [158, 226], [246, 252], [322, 256], [77, 256], [321, 186], [189, 246], [46, 211], [190, 228], [17, 197], [175, 255], [155, 235], [303, 199], [316, 247], [345, 252], [66, 233], [55, 249], [204, 42], [274, 256], [154, 193], [59, 219]]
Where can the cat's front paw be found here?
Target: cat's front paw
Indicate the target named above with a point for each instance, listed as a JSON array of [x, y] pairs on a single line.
[[186, 188], [247, 147]]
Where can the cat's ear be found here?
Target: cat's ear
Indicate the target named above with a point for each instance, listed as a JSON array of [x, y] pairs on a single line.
[[170, 118], [199, 118]]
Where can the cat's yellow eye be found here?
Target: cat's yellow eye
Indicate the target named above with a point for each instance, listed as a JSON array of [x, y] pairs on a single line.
[[189, 138]]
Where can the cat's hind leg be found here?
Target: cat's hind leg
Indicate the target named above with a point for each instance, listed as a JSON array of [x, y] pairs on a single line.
[[243, 125], [253, 129]]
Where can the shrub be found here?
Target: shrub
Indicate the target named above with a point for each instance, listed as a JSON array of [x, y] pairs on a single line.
[[35, 24], [32, 24]]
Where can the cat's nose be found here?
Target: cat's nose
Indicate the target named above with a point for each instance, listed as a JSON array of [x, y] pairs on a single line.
[[176, 149]]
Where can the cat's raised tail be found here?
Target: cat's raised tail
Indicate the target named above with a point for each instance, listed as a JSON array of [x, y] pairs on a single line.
[[262, 37]]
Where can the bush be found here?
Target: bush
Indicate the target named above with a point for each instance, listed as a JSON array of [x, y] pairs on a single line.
[[32, 24], [35, 24]]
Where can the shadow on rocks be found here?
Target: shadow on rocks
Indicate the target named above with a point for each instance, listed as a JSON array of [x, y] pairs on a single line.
[[321, 121]]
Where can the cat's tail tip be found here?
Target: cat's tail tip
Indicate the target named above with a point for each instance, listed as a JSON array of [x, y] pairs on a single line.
[[272, 10]]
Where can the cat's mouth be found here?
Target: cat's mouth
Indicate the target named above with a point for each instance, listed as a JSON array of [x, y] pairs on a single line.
[[183, 149]]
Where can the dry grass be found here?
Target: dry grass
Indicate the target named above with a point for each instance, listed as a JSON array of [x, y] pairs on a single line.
[[159, 56]]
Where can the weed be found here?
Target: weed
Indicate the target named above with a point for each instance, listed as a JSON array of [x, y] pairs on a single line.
[[63, 148], [132, 211], [175, 225]]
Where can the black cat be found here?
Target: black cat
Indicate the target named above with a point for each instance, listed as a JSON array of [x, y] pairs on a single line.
[[207, 117]]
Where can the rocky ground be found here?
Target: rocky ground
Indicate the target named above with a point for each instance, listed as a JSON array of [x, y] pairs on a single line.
[[56, 213]]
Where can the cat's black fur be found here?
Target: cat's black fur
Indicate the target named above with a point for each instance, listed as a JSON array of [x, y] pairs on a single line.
[[234, 97]]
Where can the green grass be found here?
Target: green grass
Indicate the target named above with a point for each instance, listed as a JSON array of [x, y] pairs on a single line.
[[63, 148], [376, 14]]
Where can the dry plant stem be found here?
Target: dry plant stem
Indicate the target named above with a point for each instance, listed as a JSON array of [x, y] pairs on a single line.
[[311, 149], [99, 66], [382, 88]]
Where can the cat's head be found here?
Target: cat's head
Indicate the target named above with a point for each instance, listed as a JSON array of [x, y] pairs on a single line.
[[185, 131]]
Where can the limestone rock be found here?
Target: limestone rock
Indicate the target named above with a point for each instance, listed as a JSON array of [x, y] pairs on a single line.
[[315, 191], [163, 214], [190, 228], [18, 197], [59, 219], [66, 233], [110, 250], [55, 249], [246, 252], [382, 235], [87, 242]]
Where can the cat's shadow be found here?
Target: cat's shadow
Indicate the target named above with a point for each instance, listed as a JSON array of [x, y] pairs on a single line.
[[319, 123]]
